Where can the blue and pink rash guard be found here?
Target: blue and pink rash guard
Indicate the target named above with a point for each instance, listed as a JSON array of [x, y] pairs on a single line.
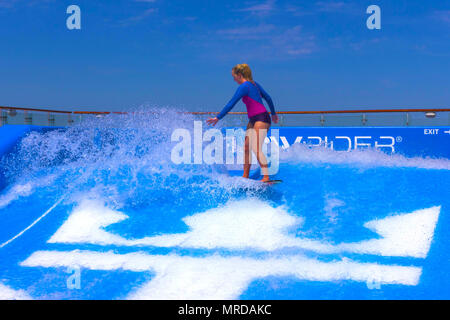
[[251, 94]]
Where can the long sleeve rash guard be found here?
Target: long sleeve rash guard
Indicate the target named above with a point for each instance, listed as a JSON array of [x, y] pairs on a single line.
[[251, 94]]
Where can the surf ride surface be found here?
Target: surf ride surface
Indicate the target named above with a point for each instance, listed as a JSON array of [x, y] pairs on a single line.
[[102, 214]]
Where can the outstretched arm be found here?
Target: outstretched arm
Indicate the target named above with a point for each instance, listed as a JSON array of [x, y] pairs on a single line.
[[266, 97], [240, 93]]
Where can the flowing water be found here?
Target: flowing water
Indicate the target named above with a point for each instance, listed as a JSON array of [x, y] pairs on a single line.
[[99, 211]]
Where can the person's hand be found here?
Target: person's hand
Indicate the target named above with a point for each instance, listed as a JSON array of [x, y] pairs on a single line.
[[212, 121], [275, 118]]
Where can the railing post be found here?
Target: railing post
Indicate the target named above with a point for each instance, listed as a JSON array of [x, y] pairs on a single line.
[[364, 120], [69, 119], [27, 118], [51, 119], [322, 119], [3, 118], [407, 119], [243, 120]]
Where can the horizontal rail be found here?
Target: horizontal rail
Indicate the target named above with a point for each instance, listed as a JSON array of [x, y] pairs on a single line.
[[36, 110], [235, 113], [98, 112]]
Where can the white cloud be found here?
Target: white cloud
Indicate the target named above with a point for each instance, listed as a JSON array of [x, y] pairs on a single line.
[[330, 6], [271, 40], [7, 3], [243, 33], [264, 8], [137, 18], [442, 15]]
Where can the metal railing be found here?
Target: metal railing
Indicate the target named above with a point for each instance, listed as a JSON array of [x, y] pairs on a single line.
[[316, 118]]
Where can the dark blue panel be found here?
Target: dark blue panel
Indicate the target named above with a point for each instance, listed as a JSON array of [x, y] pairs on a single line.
[[336, 228], [410, 141]]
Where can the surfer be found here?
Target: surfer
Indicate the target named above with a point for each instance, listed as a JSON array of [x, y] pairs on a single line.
[[260, 120]]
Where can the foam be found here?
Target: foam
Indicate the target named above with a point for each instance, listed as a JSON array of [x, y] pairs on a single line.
[[130, 153], [119, 165], [17, 191], [217, 277], [367, 158], [330, 204], [20, 190], [254, 224], [7, 293]]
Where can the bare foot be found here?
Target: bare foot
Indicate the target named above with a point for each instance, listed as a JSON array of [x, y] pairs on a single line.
[[265, 179], [245, 176]]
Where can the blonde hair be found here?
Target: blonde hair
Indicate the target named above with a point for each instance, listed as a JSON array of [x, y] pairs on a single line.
[[244, 70]]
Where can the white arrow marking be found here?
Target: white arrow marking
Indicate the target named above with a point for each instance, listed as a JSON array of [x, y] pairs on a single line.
[[216, 277], [253, 224], [6, 293]]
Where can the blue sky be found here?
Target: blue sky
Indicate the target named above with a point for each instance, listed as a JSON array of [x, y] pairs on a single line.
[[309, 55]]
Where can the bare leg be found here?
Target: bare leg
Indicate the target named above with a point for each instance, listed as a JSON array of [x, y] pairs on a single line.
[[247, 158], [247, 154], [261, 129]]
